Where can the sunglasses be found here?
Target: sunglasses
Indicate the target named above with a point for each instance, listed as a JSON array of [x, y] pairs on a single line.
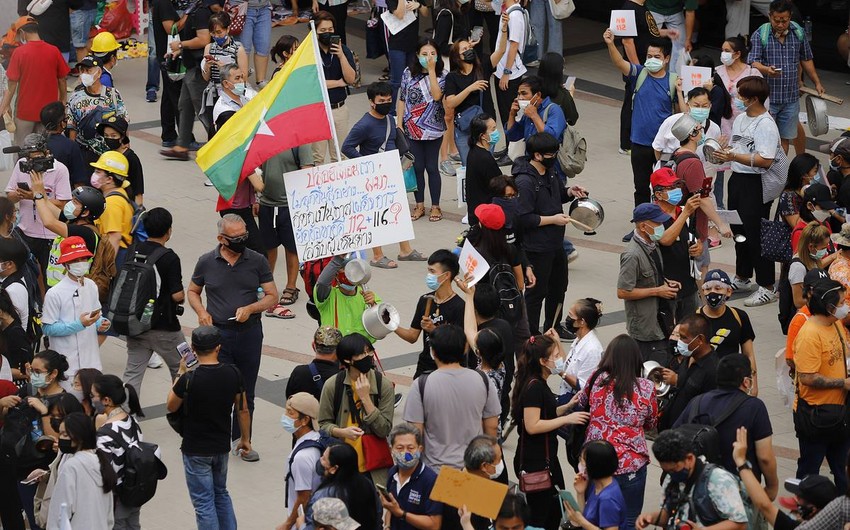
[[236, 239]]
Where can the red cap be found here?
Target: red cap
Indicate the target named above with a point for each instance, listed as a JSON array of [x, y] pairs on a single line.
[[72, 248], [663, 178], [490, 216]]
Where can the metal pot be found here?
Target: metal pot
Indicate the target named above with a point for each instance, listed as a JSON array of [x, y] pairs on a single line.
[[380, 320], [654, 372], [589, 213], [709, 148], [817, 116], [358, 271]]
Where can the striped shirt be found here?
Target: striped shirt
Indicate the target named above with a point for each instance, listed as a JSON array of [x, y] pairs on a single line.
[[786, 55], [129, 431]]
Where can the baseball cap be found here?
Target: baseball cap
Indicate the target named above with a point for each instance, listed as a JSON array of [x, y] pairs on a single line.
[[490, 216], [205, 338], [73, 248], [649, 212], [841, 146], [330, 511], [813, 276], [90, 61], [827, 147], [116, 122], [663, 177], [326, 339], [815, 489], [717, 275], [820, 195], [306, 404]]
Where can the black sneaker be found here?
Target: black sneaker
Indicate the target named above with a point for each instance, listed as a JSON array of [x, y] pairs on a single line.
[[397, 402], [504, 160], [565, 334]]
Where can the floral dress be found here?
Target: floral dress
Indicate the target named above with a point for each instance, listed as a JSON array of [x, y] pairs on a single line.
[[423, 115]]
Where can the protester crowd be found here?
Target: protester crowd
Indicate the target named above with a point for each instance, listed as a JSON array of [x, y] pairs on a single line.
[[83, 256]]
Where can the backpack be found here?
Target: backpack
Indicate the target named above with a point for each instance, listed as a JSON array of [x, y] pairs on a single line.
[[528, 49], [17, 440], [787, 309], [321, 444], [704, 437], [420, 383], [137, 224], [572, 154], [764, 31], [87, 126], [642, 75], [29, 278], [134, 287], [142, 470], [675, 160], [310, 271], [503, 280]]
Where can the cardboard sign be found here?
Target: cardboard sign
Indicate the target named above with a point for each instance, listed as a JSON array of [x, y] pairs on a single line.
[[623, 23], [481, 496], [694, 76], [472, 263], [348, 205]]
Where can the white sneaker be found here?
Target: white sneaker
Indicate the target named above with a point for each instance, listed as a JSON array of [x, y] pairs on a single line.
[[739, 285], [155, 361], [572, 256], [761, 297]]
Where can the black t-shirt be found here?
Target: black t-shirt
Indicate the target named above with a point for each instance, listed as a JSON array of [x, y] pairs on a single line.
[[785, 521], [54, 25], [333, 71], [170, 280], [17, 346], [843, 184], [135, 174], [504, 330], [531, 450], [406, 39], [449, 312], [162, 10], [211, 393], [199, 19], [456, 83], [694, 379], [727, 334], [448, 24], [301, 378], [480, 168], [677, 262], [647, 29]]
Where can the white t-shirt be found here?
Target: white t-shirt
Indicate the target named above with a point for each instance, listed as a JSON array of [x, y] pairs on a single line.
[[304, 477], [796, 273], [516, 33], [57, 185], [6, 369], [583, 359], [757, 135], [20, 299], [665, 142], [65, 302]]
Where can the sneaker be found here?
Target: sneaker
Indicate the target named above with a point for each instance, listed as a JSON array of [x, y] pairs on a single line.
[[262, 84], [397, 402], [465, 219], [447, 168], [761, 297], [455, 157], [168, 144], [155, 361], [533, 64], [626, 152], [565, 334], [250, 456], [572, 256], [208, 183], [150, 96], [504, 160], [739, 285], [194, 146]]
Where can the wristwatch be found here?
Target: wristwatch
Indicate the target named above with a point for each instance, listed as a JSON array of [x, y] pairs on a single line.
[[507, 71], [37, 196], [745, 465]]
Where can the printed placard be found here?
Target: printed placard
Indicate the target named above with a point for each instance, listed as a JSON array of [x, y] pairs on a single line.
[[348, 205], [472, 263], [694, 76], [623, 23]]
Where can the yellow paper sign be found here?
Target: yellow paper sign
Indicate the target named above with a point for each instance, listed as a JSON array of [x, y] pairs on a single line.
[[481, 496]]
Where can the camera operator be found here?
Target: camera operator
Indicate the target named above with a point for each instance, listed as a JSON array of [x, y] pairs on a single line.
[[36, 158]]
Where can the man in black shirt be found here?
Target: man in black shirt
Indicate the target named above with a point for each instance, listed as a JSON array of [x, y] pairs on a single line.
[[54, 25], [164, 16], [65, 150], [165, 333], [311, 377]]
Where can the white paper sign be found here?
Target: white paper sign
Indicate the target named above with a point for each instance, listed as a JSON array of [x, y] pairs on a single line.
[[694, 76], [349, 205], [730, 216], [472, 263], [623, 23], [394, 25], [461, 188]]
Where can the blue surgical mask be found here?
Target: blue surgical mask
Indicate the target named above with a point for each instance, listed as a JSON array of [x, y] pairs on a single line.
[[653, 64], [423, 61], [288, 424], [220, 40], [560, 365], [682, 348], [494, 137], [819, 254], [700, 115], [69, 210], [239, 89], [432, 281], [406, 460], [38, 380], [740, 105], [679, 476], [657, 233], [674, 196]]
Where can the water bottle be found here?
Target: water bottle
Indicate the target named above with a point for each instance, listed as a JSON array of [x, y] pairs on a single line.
[[260, 293], [147, 314], [36, 430], [807, 24]]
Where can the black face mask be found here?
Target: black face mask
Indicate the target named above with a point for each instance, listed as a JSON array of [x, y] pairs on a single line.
[[468, 56], [236, 246], [325, 39], [570, 323], [715, 300], [363, 365], [548, 162], [320, 469], [66, 447], [384, 108], [112, 143]]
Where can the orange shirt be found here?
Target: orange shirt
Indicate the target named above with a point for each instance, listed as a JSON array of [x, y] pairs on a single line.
[[818, 350], [797, 322]]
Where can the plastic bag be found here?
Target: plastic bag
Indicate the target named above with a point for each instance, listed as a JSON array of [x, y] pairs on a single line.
[[784, 383], [117, 20]]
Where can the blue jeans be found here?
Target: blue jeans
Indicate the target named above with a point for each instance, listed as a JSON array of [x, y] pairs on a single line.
[[256, 35], [812, 453], [633, 486], [542, 22], [462, 143], [82, 21], [243, 348], [675, 21], [787, 116], [206, 478], [398, 62], [427, 153]]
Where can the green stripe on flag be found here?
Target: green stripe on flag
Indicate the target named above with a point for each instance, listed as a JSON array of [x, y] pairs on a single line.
[[302, 88]]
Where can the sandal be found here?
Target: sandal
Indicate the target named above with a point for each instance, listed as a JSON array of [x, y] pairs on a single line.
[[384, 263], [436, 214], [384, 77], [281, 312], [418, 212], [413, 256], [289, 296]]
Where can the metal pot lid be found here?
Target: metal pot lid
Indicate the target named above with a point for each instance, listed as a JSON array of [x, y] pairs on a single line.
[[588, 212], [709, 148], [817, 116]]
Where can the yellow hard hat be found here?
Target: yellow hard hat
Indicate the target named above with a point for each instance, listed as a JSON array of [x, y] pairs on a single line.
[[113, 162], [104, 42]]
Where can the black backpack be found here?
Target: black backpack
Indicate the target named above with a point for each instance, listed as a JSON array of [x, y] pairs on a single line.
[[503, 280], [17, 440], [704, 437], [131, 291], [29, 273], [142, 470]]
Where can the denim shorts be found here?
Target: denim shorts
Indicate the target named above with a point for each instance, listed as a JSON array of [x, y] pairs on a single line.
[[787, 116], [256, 35], [82, 21]]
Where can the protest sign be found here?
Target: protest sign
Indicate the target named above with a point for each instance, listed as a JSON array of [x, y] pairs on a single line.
[[348, 205], [480, 496], [694, 76], [623, 23], [472, 263]]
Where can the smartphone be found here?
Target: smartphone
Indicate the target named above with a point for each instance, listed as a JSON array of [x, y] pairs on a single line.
[[383, 490], [335, 40], [187, 354], [568, 497], [476, 33], [777, 69], [94, 313], [24, 186], [705, 191], [571, 81]]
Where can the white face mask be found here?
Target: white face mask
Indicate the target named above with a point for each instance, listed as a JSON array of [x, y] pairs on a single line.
[[87, 79], [500, 468], [726, 58], [821, 215], [841, 311], [522, 104], [79, 269]]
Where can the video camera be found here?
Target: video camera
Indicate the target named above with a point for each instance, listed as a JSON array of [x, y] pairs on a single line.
[[40, 163]]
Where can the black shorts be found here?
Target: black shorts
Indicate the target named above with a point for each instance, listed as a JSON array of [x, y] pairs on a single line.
[[276, 227]]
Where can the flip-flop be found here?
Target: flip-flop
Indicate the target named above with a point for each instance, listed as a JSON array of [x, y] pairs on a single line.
[[384, 263], [281, 312], [413, 256], [289, 296]]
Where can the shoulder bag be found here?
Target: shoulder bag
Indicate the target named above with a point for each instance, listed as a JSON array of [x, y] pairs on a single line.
[[534, 481], [822, 421], [776, 239]]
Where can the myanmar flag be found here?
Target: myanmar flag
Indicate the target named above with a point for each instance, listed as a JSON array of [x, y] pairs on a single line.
[[291, 110]]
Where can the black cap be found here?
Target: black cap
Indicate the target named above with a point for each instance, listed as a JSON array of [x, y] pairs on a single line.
[[111, 120], [820, 195], [813, 276], [815, 489], [206, 338], [90, 61]]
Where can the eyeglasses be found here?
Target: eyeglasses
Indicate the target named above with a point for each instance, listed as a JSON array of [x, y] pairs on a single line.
[[511, 197]]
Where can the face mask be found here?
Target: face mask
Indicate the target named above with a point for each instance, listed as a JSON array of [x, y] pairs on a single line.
[[239, 89], [715, 300], [657, 233], [98, 406], [69, 210], [821, 215], [841, 312], [582, 468], [834, 164], [363, 365], [38, 380], [679, 476], [87, 79], [500, 468], [423, 62], [700, 115], [432, 281], [220, 40], [468, 56], [112, 143], [522, 104], [819, 254], [653, 64], [288, 424], [740, 105], [674, 197], [347, 287], [66, 447], [406, 460], [325, 39], [384, 108], [548, 162], [560, 365], [320, 469], [570, 323], [77, 394], [236, 246], [494, 137], [79, 269], [726, 58], [682, 348]]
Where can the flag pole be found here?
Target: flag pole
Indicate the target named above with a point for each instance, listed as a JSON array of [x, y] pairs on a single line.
[[324, 87]]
